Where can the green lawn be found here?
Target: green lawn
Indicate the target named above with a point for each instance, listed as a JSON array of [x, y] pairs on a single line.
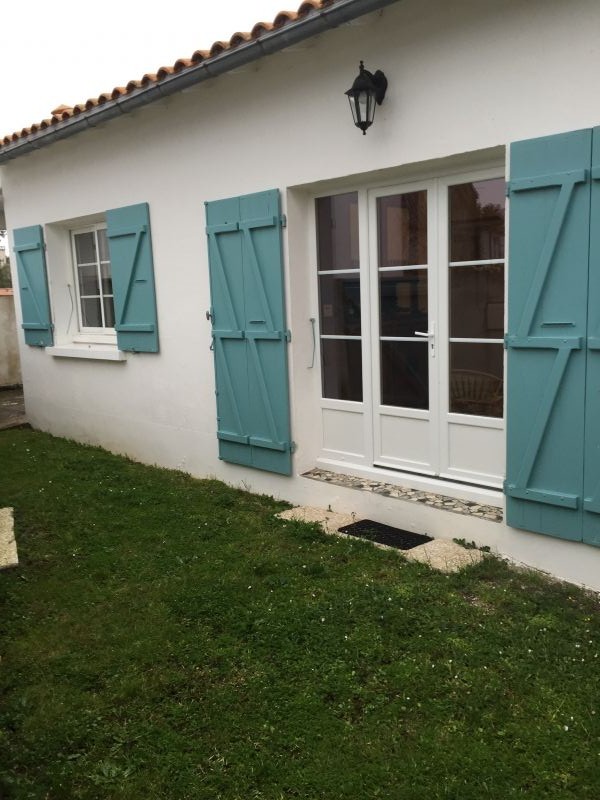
[[165, 637]]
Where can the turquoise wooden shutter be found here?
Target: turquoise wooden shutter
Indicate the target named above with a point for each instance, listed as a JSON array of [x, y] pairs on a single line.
[[591, 495], [130, 245], [33, 285], [249, 331], [547, 300]]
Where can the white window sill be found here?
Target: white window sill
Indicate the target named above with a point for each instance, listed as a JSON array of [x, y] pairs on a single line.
[[97, 352], [96, 338]]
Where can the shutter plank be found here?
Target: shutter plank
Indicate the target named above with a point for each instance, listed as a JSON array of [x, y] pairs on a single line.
[[591, 494], [29, 253], [548, 269], [132, 269]]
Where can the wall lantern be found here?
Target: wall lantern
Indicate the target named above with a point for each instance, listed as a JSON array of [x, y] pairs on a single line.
[[367, 90]]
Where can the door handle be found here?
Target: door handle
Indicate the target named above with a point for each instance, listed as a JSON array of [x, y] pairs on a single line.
[[430, 335]]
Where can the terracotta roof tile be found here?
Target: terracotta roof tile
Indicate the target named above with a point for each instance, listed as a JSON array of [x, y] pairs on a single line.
[[64, 112]]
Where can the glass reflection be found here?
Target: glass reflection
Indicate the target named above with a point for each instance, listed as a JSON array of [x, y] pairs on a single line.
[[477, 302], [477, 220], [404, 374], [339, 297], [341, 368], [476, 378], [337, 231], [402, 229], [403, 302], [85, 248]]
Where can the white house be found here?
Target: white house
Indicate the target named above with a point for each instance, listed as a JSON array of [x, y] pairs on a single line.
[[219, 273]]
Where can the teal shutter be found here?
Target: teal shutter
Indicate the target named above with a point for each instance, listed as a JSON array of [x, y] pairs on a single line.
[[591, 495], [249, 331], [130, 244], [33, 285], [547, 300]]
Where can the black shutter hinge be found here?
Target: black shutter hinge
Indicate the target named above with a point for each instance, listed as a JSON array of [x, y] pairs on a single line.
[[283, 221]]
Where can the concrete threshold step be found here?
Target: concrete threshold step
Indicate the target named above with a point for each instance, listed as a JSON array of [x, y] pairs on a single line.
[[440, 554]]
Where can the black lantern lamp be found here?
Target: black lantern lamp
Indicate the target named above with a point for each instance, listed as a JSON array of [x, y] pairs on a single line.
[[367, 91]]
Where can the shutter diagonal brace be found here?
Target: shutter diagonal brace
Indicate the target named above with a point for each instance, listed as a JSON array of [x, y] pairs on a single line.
[[519, 487], [558, 217], [137, 232], [40, 325], [263, 391], [220, 351], [220, 270], [264, 302]]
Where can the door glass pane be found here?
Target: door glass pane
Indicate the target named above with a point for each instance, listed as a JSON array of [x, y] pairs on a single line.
[[85, 248], [88, 280], [402, 229], [341, 367], [403, 302], [91, 316], [404, 374], [476, 378], [477, 220], [337, 232], [339, 297], [477, 302]]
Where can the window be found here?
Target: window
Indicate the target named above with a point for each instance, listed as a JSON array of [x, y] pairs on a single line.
[[411, 325], [93, 278], [339, 296]]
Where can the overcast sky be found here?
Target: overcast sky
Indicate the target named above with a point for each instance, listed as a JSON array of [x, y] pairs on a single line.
[[64, 51]]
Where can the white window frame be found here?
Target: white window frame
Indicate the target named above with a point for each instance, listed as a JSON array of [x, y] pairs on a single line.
[[87, 333]]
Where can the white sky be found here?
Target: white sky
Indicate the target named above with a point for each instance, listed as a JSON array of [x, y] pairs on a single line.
[[64, 51]]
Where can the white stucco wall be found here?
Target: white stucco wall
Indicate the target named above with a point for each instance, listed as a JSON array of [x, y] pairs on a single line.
[[465, 79]]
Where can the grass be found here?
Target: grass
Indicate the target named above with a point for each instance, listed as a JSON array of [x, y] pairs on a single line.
[[165, 637]]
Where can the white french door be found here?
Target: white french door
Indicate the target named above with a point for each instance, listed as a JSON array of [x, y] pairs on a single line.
[[411, 321], [404, 292]]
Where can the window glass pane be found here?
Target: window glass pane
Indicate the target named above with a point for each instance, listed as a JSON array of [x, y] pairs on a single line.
[[477, 302], [106, 278], [85, 248], [88, 280], [402, 229], [341, 365], [477, 220], [91, 316], [109, 312], [340, 304], [404, 374], [103, 245], [403, 302], [476, 378], [337, 232]]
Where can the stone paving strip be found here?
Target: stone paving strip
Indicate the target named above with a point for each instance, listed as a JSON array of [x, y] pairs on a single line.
[[468, 507], [8, 545], [441, 554], [444, 555]]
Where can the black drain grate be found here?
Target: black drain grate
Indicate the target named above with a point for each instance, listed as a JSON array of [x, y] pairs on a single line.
[[385, 534]]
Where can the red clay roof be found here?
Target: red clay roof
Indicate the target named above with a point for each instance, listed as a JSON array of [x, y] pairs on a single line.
[[63, 112]]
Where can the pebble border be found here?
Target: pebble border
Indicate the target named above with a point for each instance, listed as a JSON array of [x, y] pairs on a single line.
[[468, 507]]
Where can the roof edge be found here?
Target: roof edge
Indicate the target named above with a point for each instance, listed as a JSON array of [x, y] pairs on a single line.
[[272, 41]]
